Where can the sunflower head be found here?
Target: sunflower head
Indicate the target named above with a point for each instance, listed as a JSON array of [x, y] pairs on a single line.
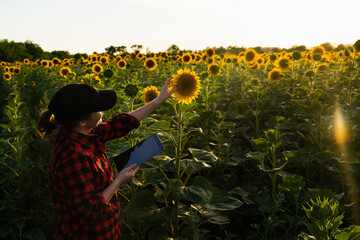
[[44, 63], [121, 64], [108, 73], [316, 57], [132, 89], [210, 52], [284, 63], [97, 68], [273, 57], [56, 61], [7, 76], [214, 69], [188, 86], [296, 55], [64, 71], [321, 67], [17, 70], [319, 49], [186, 58], [274, 75], [150, 64], [149, 94], [250, 55]]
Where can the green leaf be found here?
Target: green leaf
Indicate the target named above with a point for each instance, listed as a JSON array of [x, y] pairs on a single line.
[[203, 155], [223, 201], [160, 125], [141, 208], [199, 192], [158, 233]]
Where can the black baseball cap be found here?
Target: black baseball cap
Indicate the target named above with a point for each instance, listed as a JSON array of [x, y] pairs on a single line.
[[74, 101]]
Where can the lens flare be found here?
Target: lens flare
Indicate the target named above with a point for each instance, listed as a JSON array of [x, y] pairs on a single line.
[[339, 128]]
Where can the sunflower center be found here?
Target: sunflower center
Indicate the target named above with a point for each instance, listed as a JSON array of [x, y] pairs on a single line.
[[150, 64], [151, 95], [186, 85]]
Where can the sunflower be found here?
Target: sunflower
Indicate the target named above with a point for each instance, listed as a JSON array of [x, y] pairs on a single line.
[[284, 63], [186, 58], [44, 63], [188, 85], [214, 69], [121, 64], [97, 68], [152, 55], [104, 60], [321, 67], [17, 70], [56, 61], [164, 55], [93, 57], [132, 89], [64, 71], [140, 56], [274, 75], [316, 57], [250, 55], [149, 94], [296, 55], [210, 52], [7, 76], [26, 61], [150, 63], [319, 49], [254, 66]]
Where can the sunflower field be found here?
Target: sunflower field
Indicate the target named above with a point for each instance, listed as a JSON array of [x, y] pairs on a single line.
[[258, 145]]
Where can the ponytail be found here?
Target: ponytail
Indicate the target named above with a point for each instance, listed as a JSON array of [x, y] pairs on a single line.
[[46, 124]]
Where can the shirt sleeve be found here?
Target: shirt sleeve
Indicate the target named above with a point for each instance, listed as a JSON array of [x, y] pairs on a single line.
[[118, 126], [77, 180]]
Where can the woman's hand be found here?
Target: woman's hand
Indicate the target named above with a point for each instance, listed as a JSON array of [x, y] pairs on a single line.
[[127, 174], [165, 93]]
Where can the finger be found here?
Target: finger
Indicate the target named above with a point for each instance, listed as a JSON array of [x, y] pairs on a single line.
[[131, 167], [167, 82], [173, 90]]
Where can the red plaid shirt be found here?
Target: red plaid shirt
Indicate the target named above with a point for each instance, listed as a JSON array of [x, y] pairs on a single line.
[[79, 172]]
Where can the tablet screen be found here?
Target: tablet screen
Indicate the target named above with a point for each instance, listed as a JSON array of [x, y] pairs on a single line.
[[139, 153]]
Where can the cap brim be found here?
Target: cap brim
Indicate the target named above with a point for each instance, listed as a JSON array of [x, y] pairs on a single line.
[[106, 99]]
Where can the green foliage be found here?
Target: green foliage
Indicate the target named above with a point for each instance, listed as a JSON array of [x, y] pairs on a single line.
[[240, 161]]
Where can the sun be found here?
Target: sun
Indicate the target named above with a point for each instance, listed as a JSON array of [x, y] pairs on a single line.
[[188, 86]]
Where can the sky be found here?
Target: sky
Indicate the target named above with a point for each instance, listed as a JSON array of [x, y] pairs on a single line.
[[86, 26]]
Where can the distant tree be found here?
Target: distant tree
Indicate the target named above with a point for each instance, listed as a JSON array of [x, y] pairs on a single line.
[[173, 50], [328, 46], [13, 51], [136, 48], [110, 50], [259, 49], [235, 49], [297, 48], [33, 49], [121, 49], [61, 54]]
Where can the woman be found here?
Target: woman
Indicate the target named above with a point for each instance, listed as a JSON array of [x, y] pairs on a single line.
[[82, 184]]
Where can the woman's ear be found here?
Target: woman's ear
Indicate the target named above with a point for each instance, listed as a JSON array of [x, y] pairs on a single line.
[[83, 123]]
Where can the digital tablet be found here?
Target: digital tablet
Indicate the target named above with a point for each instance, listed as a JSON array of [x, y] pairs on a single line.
[[139, 153]]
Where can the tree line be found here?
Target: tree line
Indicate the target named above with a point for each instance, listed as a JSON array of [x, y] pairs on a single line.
[[11, 51]]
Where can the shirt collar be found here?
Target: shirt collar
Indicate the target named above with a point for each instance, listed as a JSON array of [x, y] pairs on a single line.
[[86, 140]]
